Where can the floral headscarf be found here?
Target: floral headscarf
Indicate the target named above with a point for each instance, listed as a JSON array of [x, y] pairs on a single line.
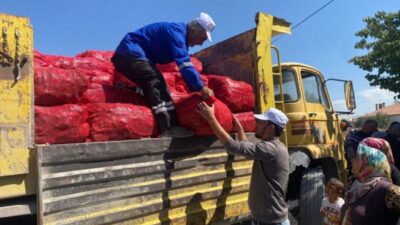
[[380, 144], [374, 163], [374, 168]]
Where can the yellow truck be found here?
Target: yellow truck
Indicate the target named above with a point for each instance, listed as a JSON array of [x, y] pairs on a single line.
[[162, 180]]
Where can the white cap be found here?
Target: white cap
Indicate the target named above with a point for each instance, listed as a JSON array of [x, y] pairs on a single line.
[[207, 23], [274, 115]]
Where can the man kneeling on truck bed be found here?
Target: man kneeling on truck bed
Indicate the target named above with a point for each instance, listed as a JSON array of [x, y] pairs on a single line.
[[270, 174], [162, 43]]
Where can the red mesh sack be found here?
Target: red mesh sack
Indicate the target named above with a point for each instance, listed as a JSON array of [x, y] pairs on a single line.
[[237, 95], [188, 117], [93, 64], [247, 120], [178, 96], [54, 86], [197, 64], [181, 86], [57, 61], [39, 59], [99, 76], [97, 93], [171, 67], [170, 79], [104, 56], [82, 63], [61, 124], [116, 121]]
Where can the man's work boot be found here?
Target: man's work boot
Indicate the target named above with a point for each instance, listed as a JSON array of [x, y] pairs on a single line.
[[177, 132]]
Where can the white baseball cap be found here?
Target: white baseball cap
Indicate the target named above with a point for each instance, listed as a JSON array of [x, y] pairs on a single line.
[[274, 115], [207, 23]]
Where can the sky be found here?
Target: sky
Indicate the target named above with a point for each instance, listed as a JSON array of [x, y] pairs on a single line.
[[325, 41]]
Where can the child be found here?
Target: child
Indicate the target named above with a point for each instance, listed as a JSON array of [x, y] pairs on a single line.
[[332, 204]]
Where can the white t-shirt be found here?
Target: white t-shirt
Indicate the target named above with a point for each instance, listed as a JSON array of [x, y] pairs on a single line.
[[332, 211]]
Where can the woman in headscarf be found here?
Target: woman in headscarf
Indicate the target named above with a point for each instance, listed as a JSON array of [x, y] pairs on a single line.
[[372, 198], [384, 146]]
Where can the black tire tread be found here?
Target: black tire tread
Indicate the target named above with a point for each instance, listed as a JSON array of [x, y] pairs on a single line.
[[311, 195]]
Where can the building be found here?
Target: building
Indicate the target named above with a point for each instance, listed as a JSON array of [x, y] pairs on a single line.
[[392, 110]]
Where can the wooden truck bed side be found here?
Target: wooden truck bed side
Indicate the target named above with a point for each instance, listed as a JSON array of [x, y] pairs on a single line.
[[149, 181]]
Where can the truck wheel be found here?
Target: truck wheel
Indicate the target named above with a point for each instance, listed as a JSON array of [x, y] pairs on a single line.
[[311, 195]]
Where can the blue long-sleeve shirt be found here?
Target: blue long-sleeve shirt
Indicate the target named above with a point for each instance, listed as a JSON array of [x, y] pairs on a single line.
[[162, 43]]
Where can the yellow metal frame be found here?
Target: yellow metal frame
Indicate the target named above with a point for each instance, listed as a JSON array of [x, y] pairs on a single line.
[[267, 27], [16, 112]]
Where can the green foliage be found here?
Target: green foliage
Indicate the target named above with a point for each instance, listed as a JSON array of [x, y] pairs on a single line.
[[381, 39], [382, 119], [359, 122]]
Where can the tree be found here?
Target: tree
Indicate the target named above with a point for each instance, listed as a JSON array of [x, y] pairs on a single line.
[[359, 122], [381, 39], [382, 119]]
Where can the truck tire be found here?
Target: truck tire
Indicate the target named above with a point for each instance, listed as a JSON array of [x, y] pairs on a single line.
[[311, 195]]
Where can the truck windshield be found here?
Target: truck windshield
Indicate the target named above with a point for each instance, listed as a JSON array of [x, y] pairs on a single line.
[[289, 86]]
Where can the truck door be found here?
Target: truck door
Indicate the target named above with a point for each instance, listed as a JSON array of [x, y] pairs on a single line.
[[318, 108]]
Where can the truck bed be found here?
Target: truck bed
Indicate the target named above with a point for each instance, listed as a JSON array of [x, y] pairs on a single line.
[[148, 181]]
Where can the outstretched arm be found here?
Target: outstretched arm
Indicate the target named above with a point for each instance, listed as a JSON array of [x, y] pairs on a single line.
[[245, 148]]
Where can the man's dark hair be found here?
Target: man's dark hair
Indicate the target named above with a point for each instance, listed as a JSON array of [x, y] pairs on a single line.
[[346, 126], [393, 123], [371, 122], [194, 25], [278, 130]]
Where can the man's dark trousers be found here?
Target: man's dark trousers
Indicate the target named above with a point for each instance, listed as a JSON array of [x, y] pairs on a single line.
[[150, 80]]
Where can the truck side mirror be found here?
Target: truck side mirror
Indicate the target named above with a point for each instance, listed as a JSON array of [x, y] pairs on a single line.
[[349, 95]]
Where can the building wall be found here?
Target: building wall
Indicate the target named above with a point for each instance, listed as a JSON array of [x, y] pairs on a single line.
[[395, 118]]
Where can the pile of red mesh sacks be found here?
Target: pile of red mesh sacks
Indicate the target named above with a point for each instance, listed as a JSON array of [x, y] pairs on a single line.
[[80, 99]]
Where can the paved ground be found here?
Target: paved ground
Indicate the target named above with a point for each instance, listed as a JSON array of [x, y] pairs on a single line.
[[292, 220]]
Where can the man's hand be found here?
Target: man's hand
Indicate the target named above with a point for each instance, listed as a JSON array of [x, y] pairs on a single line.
[[239, 129], [206, 92], [206, 111]]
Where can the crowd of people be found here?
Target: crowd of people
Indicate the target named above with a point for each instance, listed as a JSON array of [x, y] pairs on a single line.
[[372, 193]]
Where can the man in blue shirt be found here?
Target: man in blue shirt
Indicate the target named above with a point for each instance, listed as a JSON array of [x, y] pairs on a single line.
[[161, 43]]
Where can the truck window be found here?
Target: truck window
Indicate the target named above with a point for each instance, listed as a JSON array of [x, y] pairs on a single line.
[[313, 90], [289, 86]]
